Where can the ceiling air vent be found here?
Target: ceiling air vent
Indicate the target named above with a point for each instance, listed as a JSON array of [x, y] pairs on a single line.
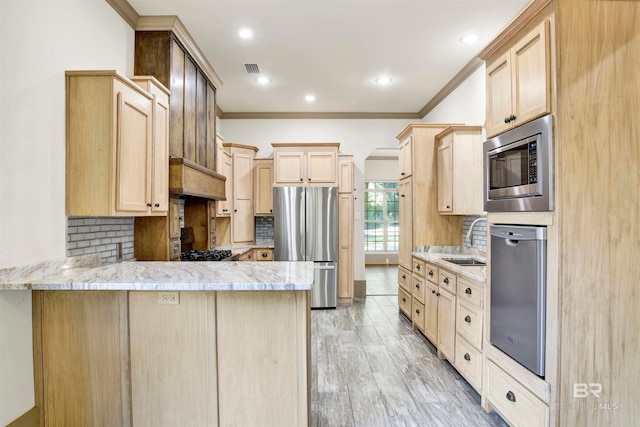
[[252, 68]]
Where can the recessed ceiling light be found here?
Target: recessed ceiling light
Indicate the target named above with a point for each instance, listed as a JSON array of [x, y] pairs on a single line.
[[310, 98], [245, 33], [263, 80], [470, 38], [383, 80]]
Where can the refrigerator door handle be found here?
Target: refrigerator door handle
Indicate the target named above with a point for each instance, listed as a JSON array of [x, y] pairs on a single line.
[[326, 267]]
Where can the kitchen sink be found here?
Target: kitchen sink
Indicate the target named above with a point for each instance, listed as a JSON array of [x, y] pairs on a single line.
[[466, 262]]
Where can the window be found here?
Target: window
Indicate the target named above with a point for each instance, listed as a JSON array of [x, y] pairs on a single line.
[[381, 217]]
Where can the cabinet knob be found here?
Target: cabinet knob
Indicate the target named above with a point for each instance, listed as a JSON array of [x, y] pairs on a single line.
[[301, 179], [512, 118], [448, 207], [467, 357], [402, 174], [417, 266], [148, 205], [404, 299], [402, 195], [437, 294], [468, 291], [271, 210], [431, 273], [433, 292], [467, 319], [510, 396], [417, 285], [446, 280], [157, 205], [417, 311], [264, 255], [404, 276], [235, 210], [506, 119]]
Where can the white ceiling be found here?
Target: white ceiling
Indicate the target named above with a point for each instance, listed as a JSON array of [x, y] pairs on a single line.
[[335, 48]]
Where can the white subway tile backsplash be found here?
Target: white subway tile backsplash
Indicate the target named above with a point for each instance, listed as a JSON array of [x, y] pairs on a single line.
[[86, 235], [479, 233]]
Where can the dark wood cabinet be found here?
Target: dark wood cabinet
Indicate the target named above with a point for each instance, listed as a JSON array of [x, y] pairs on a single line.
[[193, 106]]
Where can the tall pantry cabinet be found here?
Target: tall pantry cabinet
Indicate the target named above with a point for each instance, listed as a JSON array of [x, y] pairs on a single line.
[[420, 221]]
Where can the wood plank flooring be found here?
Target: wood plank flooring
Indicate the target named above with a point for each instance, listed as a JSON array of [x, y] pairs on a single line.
[[370, 368]]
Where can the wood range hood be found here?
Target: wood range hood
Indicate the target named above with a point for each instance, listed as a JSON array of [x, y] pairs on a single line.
[[189, 179]]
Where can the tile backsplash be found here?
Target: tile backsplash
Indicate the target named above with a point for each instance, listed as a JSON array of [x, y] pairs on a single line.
[[101, 235], [264, 230], [479, 233]]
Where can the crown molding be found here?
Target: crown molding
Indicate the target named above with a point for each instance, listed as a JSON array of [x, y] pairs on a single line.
[[318, 115], [126, 11], [453, 84]]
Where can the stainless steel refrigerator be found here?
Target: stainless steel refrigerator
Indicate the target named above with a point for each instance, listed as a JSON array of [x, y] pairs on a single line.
[[306, 229]]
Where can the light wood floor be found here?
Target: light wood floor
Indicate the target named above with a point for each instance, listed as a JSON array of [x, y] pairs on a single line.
[[381, 279], [370, 368]]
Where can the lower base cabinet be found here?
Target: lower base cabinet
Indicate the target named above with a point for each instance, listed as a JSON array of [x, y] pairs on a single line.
[[404, 301], [122, 358]]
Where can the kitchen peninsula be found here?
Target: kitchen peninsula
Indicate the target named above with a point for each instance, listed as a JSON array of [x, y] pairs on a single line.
[[169, 343]]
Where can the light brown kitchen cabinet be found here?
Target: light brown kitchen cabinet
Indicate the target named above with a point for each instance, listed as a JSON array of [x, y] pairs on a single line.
[[242, 220], [345, 248], [431, 312], [460, 170], [420, 221], [306, 164], [114, 174], [263, 254], [263, 188], [518, 82], [446, 324], [223, 207], [345, 173]]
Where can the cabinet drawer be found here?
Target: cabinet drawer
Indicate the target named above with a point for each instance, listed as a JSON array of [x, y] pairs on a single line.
[[418, 267], [404, 301], [431, 273], [470, 292], [417, 315], [404, 278], [418, 288], [447, 280], [469, 324], [514, 402], [263, 255], [469, 363]]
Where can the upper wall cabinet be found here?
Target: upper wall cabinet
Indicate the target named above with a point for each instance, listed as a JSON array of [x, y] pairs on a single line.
[[306, 164], [518, 82], [116, 162], [460, 170], [192, 133], [405, 156], [263, 188]]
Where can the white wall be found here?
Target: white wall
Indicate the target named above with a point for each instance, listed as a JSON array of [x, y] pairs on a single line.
[[357, 137], [466, 104], [40, 40], [381, 170]]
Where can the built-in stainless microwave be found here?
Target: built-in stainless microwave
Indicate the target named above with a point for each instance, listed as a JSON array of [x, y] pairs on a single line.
[[518, 169]]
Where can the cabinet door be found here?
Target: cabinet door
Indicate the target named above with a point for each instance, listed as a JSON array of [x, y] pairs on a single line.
[[201, 119], [445, 174], [176, 133], [190, 86], [133, 142], [345, 246], [224, 168], [446, 324], [263, 194], [321, 167], [531, 75], [289, 167], [243, 225], [160, 155], [174, 218], [431, 312], [211, 128], [345, 178], [406, 223], [405, 156], [499, 95], [242, 177]]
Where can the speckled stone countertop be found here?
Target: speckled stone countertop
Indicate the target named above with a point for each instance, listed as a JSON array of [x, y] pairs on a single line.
[[87, 273], [240, 249], [438, 254]]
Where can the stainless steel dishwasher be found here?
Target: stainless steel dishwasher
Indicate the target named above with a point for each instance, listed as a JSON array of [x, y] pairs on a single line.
[[518, 262]]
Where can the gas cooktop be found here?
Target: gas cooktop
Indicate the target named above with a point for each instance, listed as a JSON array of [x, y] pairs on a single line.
[[205, 255]]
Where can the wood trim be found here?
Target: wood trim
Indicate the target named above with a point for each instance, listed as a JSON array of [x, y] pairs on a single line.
[[173, 24], [38, 363], [305, 144], [319, 115], [453, 84], [235, 145], [424, 125], [126, 11], [512, 28], [190, 164], [31, 418], [219, 112]]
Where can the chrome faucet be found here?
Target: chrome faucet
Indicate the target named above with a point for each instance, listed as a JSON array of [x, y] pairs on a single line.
[[470, 232]]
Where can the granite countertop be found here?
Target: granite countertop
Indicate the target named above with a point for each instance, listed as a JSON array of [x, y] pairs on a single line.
[[437, 254], [240, 249], [85, 273]]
